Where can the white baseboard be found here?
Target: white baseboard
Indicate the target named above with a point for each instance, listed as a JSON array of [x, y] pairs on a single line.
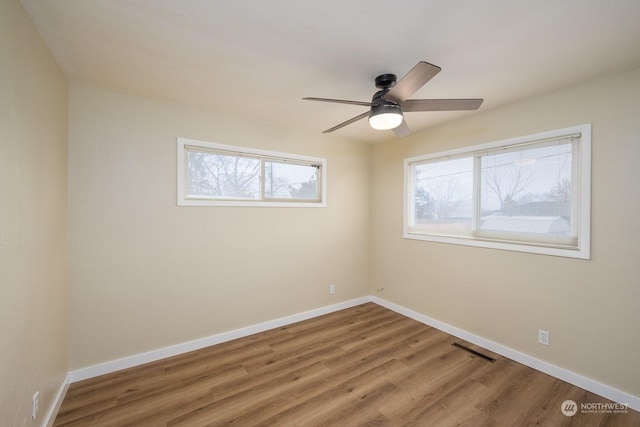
[[600, 389], [174, 350], [127, 362], [57, 402]]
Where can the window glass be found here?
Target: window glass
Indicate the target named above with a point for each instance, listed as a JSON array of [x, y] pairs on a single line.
[[528, 194], [527, 191], [443, 195], [211, 175], [290, 181]]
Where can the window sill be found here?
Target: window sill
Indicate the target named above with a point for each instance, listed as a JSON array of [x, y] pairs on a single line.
[[567, 252]]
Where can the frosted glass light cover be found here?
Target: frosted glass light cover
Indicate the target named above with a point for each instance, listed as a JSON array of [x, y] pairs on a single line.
[[385, 121]]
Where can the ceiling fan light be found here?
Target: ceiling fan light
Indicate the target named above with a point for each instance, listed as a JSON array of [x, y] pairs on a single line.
[[385, 117]]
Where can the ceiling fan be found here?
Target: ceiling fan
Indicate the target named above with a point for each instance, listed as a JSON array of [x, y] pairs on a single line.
[[391, 101]]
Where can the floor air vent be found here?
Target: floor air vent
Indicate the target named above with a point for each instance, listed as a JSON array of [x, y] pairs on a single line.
[[470, 350]]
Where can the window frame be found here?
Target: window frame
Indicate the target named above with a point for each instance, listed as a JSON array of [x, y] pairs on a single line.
[[581, 210], [184, 144]]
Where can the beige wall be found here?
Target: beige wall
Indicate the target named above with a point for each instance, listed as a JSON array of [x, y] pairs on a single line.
[[33, 219], [146, 274], [591, 308]]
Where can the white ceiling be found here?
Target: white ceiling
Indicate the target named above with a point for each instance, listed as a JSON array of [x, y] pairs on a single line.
[[258, 58]]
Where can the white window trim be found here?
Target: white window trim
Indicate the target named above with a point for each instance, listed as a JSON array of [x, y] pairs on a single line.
[[183, 200], [584, 239]]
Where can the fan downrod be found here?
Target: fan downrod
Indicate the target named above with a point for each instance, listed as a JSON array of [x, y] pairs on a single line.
[[386, 81]]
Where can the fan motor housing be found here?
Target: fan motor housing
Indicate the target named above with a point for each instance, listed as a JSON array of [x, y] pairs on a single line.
[[386, 81], [378, 99]]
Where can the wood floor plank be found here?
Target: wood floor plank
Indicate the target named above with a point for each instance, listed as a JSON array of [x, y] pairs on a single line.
[[426, 385], [319, 409], [353, 364], [363, 366]]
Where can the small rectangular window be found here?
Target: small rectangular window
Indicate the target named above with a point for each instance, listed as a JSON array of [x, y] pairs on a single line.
[[212, 174], [528, 194]]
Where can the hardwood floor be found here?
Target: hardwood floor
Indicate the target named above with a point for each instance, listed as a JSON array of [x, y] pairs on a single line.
[[364, 366]]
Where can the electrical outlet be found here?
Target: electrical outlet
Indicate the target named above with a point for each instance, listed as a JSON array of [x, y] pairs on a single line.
[[543, 337], [34, 405], [332, 289]]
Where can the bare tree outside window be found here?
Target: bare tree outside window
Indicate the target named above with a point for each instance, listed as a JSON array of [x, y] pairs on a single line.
[[446, 195], [506, 179], [212, 174], [561, 192], [527, 191], [237, 177], [424, 203], [217, 175], [525, 177], [442, 194]]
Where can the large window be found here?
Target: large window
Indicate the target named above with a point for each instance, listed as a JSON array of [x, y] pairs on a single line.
[[529, 194], [222, 175]]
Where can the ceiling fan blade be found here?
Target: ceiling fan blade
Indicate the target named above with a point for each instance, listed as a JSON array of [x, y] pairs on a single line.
[[402, 130], [441, 104], [412, 81], [348, 122], [339, 101]]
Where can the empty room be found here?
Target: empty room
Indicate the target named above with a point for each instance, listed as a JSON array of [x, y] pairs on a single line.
[[338, 213]]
